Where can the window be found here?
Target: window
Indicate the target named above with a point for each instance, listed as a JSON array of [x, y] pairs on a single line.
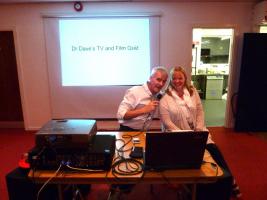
[[211, 51], [215, 50]]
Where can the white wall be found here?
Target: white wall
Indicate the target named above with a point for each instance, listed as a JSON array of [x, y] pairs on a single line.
[[176, 25]]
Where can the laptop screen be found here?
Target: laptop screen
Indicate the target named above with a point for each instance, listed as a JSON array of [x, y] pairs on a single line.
[[174, 150]]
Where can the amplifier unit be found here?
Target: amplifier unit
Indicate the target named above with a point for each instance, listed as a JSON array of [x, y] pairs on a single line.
[[66, 133], [98, 155]]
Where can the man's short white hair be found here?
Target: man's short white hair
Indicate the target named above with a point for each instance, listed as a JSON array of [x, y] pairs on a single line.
[[158, 68]]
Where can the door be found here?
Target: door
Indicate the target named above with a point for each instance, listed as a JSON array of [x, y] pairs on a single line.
[[252, 97], [10, 101], [211, 60]]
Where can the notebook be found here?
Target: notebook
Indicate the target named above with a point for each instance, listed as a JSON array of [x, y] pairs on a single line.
[[174, 150]]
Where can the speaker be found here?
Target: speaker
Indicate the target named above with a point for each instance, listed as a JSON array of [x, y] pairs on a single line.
[[251, 110], [19, 187]]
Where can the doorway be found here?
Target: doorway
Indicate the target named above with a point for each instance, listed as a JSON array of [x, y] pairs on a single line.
[[263, 29], [211, 58], [10, 102]]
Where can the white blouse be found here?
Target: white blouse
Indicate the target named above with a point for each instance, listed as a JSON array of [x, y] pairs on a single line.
[[182, 113]]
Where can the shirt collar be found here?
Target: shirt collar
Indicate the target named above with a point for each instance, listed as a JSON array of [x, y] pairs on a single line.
[[147, 89]]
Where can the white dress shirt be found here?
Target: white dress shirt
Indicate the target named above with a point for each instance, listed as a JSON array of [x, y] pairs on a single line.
[[134, 98]]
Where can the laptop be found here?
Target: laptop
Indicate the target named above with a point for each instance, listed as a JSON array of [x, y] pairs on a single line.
[[174, 150]]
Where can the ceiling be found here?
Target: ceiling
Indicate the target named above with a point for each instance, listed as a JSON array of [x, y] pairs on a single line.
[[40, 1]]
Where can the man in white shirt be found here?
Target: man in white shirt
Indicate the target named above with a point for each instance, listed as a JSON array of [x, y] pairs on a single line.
[[140, 102], [136, 111]]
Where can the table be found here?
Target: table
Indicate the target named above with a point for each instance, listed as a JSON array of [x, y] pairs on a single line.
[[206, 174]]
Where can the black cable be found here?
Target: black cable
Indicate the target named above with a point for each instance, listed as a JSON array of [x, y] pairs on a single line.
[[148, 118], [123, 166], [48, 180], [34, 165], [125, 143], [117, 169], [139, 133]]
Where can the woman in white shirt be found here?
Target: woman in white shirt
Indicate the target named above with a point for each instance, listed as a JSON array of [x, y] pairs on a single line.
[[181, 109]]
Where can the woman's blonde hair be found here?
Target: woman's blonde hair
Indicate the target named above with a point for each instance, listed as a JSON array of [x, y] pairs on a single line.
[[188, 86]]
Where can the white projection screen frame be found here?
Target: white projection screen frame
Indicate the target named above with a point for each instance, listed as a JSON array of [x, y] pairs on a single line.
[[82, 98]]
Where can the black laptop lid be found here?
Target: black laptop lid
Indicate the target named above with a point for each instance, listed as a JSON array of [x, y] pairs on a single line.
[[174, 150]]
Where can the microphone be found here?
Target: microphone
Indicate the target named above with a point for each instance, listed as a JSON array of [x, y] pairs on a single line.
[[157, 97], [151, 114], [149, 117]]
